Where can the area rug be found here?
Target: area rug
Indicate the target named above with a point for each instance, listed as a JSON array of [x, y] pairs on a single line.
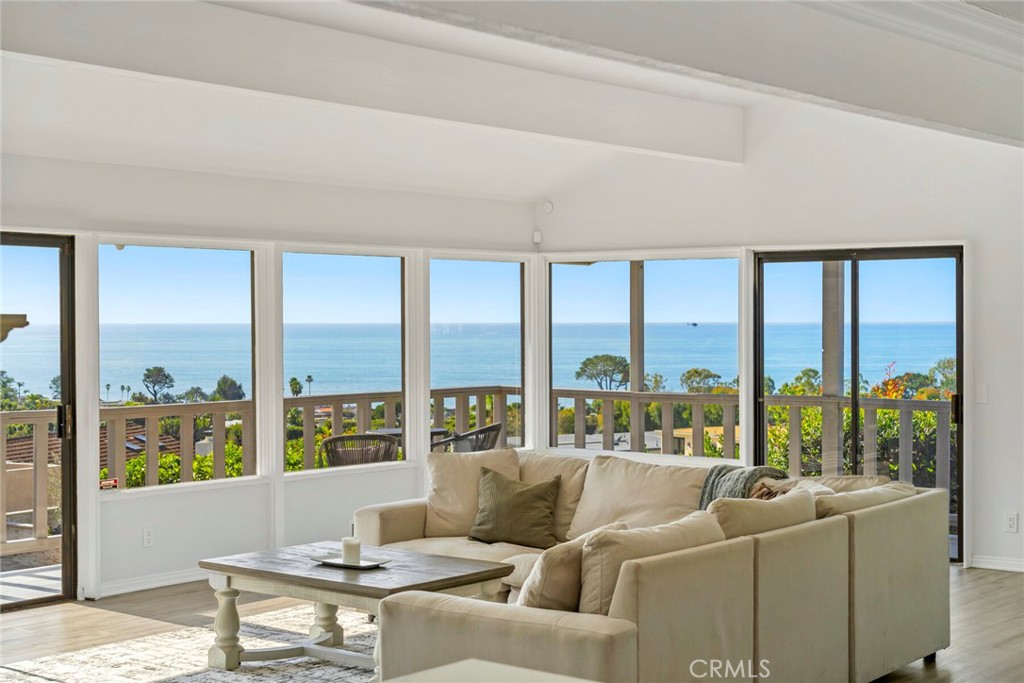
[[180, 656]]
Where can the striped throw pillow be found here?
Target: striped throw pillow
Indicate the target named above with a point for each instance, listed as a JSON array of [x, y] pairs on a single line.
[[513, 512]]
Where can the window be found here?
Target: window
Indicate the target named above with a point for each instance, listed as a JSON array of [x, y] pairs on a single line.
[[342, 356], [175, 365], [476, 361], [644, 356]]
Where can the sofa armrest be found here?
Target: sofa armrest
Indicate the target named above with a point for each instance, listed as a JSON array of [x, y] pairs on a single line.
[[420, 630], [690, 606], [403, 520], [899, 583]]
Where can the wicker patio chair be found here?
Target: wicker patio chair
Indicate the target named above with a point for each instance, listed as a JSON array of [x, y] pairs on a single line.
[[359, 449], [482, 439]]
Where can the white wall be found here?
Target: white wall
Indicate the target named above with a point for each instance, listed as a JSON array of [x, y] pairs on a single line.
[[319, 506], [813, 176]]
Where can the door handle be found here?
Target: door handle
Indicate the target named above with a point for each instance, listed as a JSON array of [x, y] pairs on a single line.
[[65, 422]]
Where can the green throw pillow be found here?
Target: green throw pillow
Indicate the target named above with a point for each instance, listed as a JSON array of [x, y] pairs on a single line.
[[514, 512]]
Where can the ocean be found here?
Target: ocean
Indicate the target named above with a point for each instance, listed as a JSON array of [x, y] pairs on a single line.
[[357, 358]]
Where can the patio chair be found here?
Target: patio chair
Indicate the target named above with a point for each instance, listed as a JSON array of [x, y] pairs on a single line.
[[482, 439], [359, 449]]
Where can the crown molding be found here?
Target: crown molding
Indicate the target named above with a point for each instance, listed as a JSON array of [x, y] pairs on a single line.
[[951, 24]]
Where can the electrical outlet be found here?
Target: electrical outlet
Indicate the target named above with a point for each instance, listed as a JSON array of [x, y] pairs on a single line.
[[147, 537], [1011, 522]]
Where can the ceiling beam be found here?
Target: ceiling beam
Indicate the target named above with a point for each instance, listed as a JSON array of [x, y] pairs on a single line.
[[228, 47]]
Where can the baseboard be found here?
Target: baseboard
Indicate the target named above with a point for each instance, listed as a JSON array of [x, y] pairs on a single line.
[[1005, 564], [152, 581]]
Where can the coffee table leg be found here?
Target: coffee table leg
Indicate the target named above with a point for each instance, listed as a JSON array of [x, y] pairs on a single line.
[[327, 623], [226, 652]]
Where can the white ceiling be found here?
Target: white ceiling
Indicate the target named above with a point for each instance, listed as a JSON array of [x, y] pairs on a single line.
[[71, 111]]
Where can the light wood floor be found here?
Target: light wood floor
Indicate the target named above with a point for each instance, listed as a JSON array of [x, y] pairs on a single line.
[[987, 625]]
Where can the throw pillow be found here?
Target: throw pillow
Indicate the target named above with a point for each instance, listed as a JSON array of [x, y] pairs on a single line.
[[829, 506], [556, 579], [638, 493], [535, 467], [513, 512], [453, 496], [747, 516], [605, 550], [523, 566]]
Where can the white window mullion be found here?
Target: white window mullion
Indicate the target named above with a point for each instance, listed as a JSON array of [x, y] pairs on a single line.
[[268, 364], [416, 410], [537, 353], [745, 330], [87, 421]]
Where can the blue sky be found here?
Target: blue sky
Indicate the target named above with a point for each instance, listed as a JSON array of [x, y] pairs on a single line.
[[30, 283], [175, 285], [140, 285], [897, 291]]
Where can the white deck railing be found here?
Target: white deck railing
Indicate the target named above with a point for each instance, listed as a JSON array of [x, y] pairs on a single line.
[[832, 408], [638, 401], [24, 496]]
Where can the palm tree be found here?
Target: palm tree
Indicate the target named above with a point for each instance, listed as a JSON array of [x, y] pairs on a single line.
[[21, 384], [122, 393], [128, 391], [309, 383], [108, 392]]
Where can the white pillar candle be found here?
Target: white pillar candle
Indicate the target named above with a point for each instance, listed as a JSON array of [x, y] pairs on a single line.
[[350, 550]]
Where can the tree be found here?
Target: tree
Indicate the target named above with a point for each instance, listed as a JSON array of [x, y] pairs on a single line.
[[228, 389], [108, 392], [19, 385], [193, 395], [699, 381], [943, 376], [157, 380], [655, 382], [296, 386], [806, 383], [609, 372], [122, 393], [55, 387], [309, 382]]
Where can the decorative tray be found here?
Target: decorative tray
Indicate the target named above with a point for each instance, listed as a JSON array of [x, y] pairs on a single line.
[[339, 561]]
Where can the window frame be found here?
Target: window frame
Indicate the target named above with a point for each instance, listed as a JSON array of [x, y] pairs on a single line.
[[744, 261], [89, 244]]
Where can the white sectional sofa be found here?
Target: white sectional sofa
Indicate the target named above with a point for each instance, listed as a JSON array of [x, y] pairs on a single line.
[[848, 597]]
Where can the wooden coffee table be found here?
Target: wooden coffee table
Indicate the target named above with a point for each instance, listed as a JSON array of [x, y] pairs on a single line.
[[292, 572]]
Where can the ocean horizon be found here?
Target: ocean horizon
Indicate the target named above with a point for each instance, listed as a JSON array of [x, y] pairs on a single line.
[[348, 358]]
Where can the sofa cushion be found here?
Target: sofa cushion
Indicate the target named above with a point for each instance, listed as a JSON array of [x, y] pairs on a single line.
[[514, 512], [747, 516], [638, 493], [453, 496], [841, 483], [556, 579], [605, 550], [536, 467], [829, 506], [460, 546]]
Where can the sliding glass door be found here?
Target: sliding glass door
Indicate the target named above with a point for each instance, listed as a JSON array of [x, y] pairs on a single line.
[[859, 357], [37, 474]]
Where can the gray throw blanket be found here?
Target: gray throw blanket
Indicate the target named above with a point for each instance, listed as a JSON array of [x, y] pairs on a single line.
[[729, 481]]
